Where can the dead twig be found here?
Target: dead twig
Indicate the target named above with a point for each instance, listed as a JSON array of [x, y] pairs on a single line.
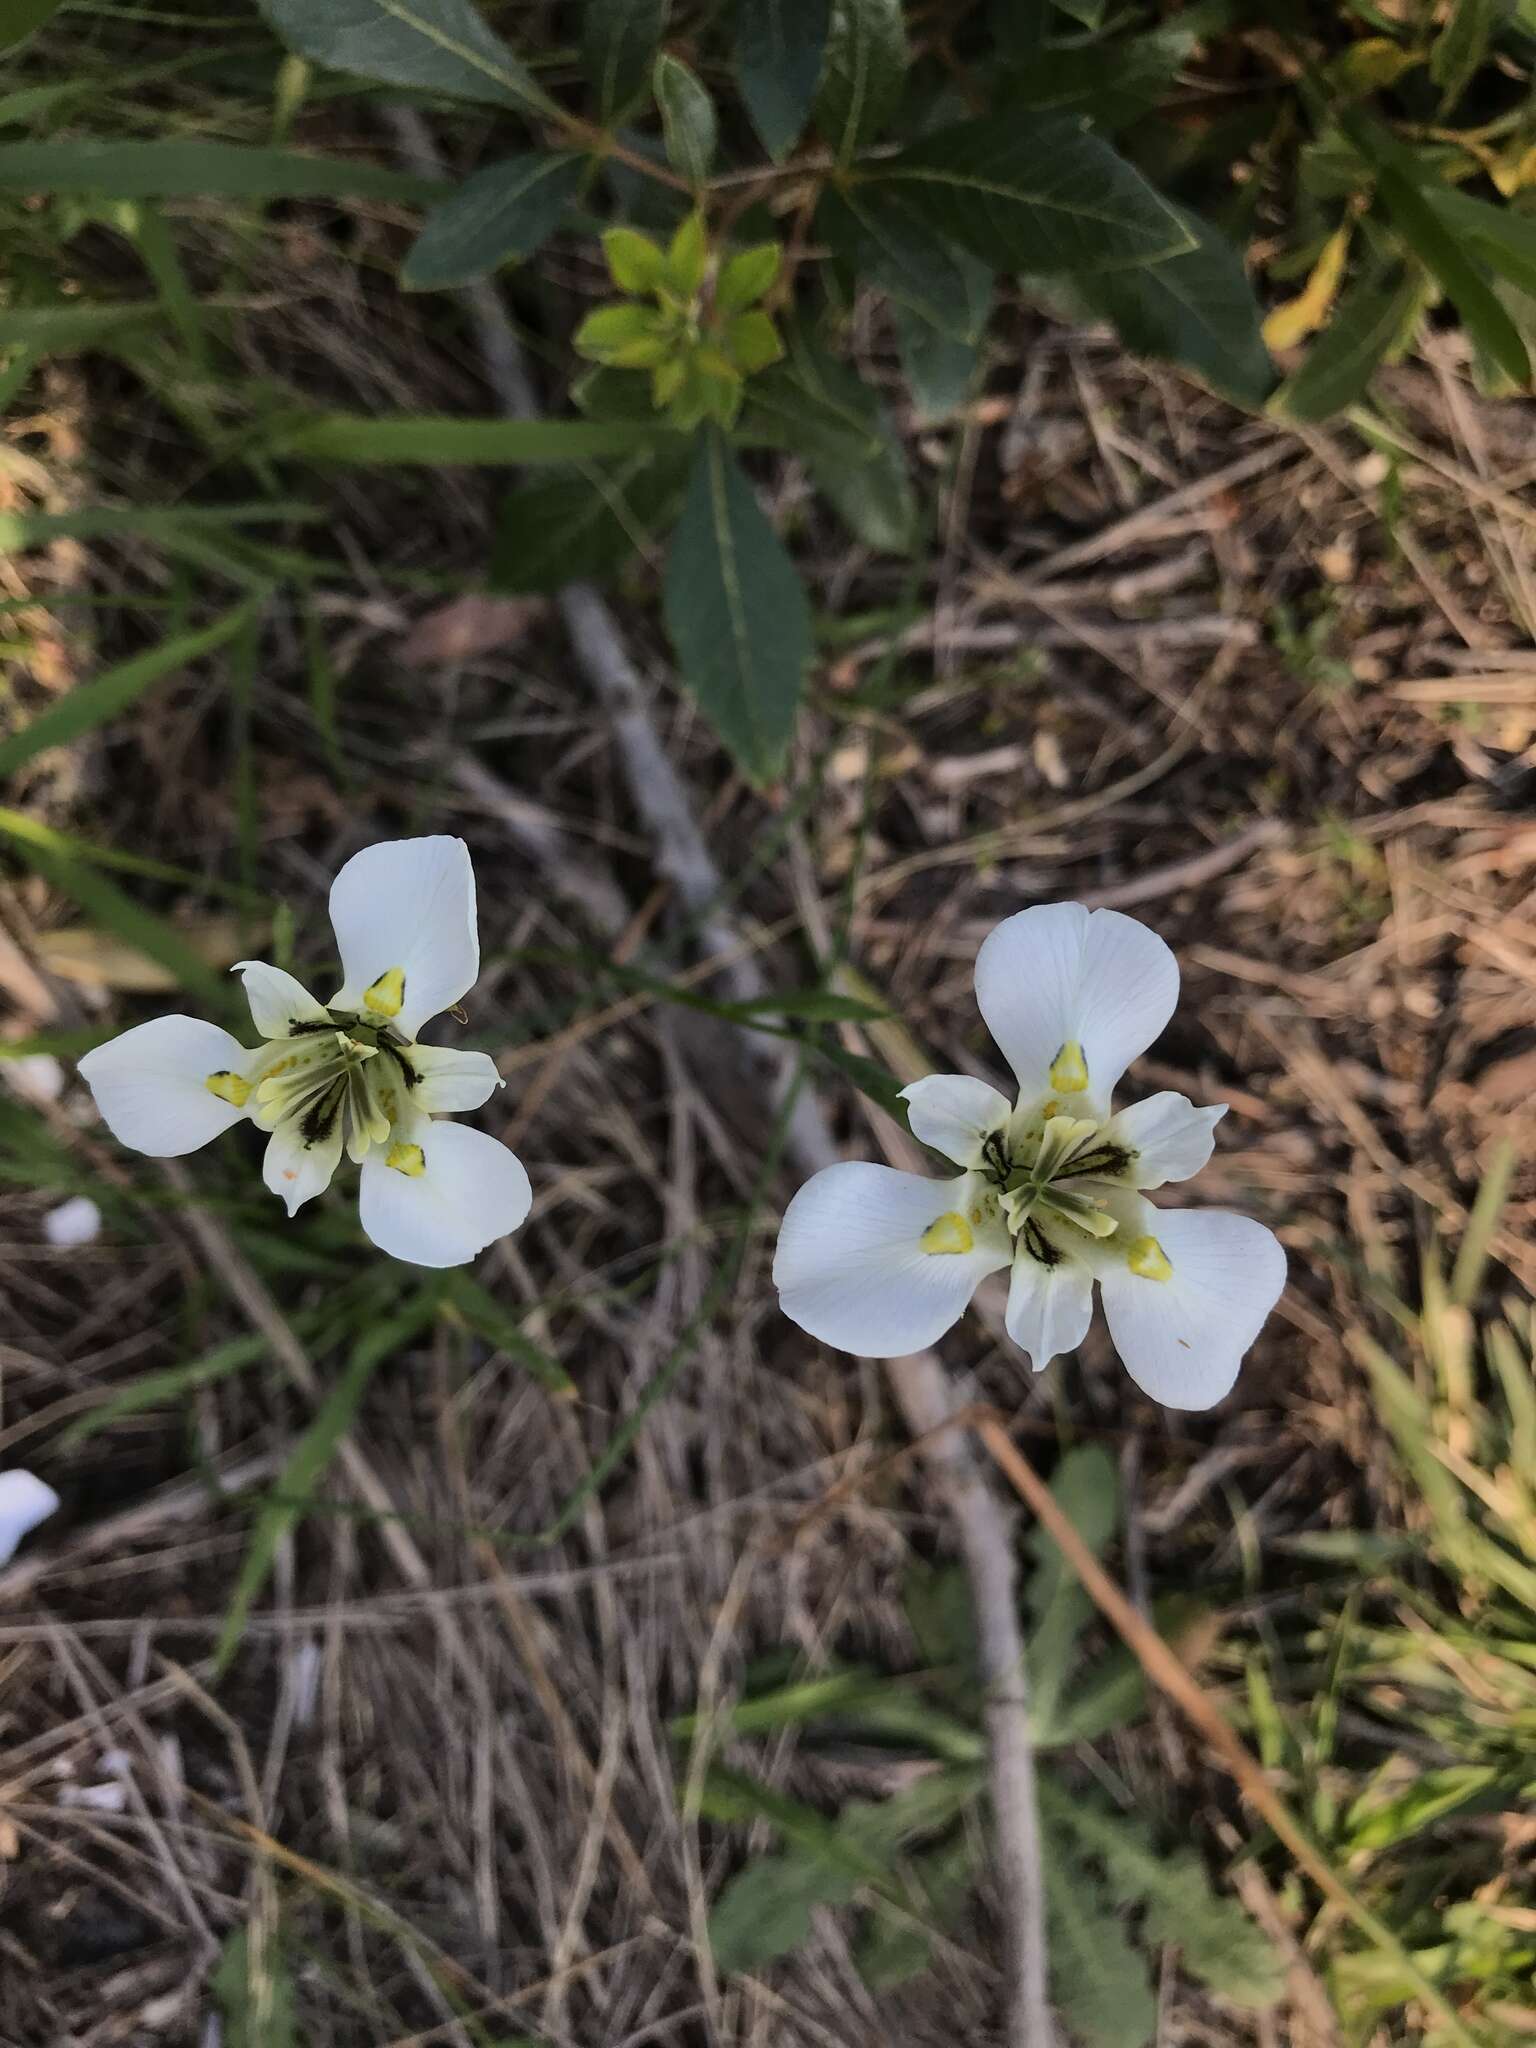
[[922, 1387]]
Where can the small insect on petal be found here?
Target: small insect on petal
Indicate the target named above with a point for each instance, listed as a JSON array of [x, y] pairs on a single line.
[[948, 1233], [1069, 1070], [407, 1159], [229, 1087], [1147, 1260], [387, 994]]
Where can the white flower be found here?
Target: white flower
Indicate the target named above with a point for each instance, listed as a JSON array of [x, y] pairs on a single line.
[[345, 1074], [73, 1223], [24, 1502], [881, 1263]]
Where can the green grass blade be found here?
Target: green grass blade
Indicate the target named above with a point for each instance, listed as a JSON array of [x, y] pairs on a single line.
[[488, 1319], [113, 691], [1472, 1253], [159, 1389], [309, 1460], [424, 437], [107, 906]]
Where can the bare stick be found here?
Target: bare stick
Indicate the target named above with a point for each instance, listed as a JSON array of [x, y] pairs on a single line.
[[922, 1388]]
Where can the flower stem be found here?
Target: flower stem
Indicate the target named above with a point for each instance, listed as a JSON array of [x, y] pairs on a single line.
[[931, 1407]]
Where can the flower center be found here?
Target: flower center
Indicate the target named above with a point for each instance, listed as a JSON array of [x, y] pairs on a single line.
[[351, 1078], [1046, 1172]]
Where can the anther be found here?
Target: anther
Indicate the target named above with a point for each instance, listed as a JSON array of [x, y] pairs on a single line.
[[948, 1233]]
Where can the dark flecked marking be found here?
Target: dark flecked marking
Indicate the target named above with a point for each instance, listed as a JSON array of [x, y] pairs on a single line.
[[320, 1118], [1110, 1159], [1038, 1245]]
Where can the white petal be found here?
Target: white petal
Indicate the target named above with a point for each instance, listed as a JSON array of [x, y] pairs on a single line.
[[280, 1006], [1183, 1339], [298, 1169], [407, 906], [1049, 1307], [75, 1222], [1172, 1139], [449, 1078], [1058, 975], [150, 1084], [953, 1113], [850, 1267], [471, 1191], [24, 1502]]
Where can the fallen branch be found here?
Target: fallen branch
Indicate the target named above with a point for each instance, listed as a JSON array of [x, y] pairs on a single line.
[[922, 1388]]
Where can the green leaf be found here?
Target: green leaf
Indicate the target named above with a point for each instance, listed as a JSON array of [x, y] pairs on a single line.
[[199, 170], [564, 529], [1043, 196], [752, 342], [736, 612], [1458, 51], [824, 411], [74, 323], [687, 119], [619, 39], [891, 1952], [500, 215], [1197, 309], [1440, 252], [747, 276], [626, 337], [882, 233], [418, 437], [893, 1948], [253, 1988], [687, 261], [940, 371], [1371, 319], [941, 366], [1109, 1693], [1086, 1488], [1504, 237], [733, 1796], [863, 74], [780, 45], [434, 45], [1098, 1982], [1112, 85], [1019, 27], [765, 1910], [879, 1829], [22, 18], [307, 1462], [635, 263], [1219, 1943], [111, 693]]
